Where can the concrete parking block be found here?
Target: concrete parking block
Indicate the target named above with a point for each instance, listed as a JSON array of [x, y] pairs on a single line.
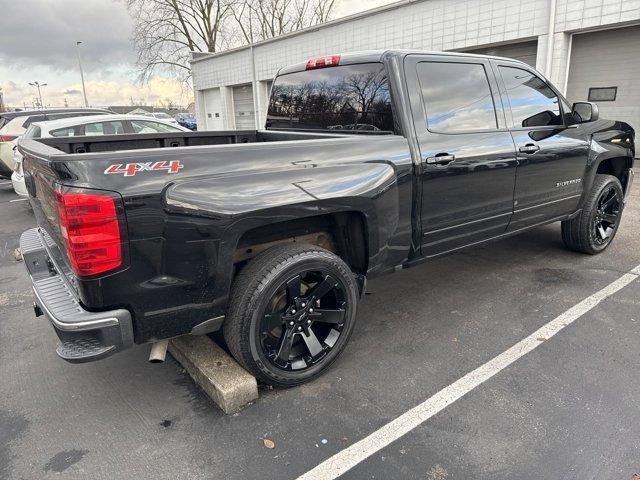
[[229, 385]]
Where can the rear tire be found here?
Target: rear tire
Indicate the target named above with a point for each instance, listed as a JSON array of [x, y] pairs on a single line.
[[593, 230], [291, 312]]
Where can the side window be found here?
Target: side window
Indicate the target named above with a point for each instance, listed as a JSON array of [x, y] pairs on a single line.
[[533, 103], [63, 132], [145, 126], [457, 97], [104, 128]]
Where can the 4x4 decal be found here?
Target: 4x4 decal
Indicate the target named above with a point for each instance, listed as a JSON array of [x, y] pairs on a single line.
[[130, 169]]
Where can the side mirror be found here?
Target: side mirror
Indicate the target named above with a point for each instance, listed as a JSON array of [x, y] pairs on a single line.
[[585, 112]]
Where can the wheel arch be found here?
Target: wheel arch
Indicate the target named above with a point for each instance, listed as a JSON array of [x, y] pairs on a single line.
[[617, 167], [346, 233]]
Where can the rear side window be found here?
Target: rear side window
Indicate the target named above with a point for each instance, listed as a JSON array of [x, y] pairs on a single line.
[[33, 118], [533, 103], [146, 126], [104, 128], [32, 132], [457, 97], [343, 98], [63, 132]]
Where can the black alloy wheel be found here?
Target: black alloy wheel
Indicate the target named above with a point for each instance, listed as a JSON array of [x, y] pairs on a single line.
[[592, 230], [303, 320], [606, 216], [291, 313]]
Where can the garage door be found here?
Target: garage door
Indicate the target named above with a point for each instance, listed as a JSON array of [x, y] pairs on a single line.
[[212, 109], [525, 51], [607, 65], [243, 107]]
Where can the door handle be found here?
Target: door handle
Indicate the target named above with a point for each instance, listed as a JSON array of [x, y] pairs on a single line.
[[441, 159], [529, 148]]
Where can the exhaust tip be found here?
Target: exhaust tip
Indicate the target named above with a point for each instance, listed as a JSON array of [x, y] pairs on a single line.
[[158, 351]]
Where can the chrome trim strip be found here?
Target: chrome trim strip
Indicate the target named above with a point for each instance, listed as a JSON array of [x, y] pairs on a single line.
[[564, 199]]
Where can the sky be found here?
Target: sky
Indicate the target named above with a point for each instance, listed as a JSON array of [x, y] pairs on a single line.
[[37, 43]]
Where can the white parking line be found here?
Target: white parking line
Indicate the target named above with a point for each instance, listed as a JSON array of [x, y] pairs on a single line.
[[19, 200], [351, 456]]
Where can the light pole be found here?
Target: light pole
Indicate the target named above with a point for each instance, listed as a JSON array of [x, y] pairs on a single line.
[[38, 85], [84, 90]]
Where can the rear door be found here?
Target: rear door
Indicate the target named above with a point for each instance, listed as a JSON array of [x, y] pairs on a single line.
[[552, 153], [468, 166]]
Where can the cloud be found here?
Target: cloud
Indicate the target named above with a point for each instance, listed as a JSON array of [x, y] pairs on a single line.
[[157, 91], [44, 33]]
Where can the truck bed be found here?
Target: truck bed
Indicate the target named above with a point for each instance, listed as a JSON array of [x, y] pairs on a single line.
[[110, 143]]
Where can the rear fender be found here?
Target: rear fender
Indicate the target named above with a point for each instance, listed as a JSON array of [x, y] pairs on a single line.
[[239, 203]]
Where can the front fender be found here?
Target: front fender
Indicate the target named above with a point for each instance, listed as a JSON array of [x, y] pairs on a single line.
[[608, 140]]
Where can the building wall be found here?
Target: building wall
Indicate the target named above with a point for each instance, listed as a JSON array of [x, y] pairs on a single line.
[[601, 59], [425, 25]]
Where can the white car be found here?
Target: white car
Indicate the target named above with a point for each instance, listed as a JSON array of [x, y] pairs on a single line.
[[14, 124], [87, 126], [165, 117]]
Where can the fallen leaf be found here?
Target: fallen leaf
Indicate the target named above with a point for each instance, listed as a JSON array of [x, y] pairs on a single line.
[[268, 443]]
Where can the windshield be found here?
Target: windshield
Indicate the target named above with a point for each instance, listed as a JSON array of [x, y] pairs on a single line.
[[343, 98]]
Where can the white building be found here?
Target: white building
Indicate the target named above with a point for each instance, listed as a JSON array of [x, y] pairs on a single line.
[[590, 49]]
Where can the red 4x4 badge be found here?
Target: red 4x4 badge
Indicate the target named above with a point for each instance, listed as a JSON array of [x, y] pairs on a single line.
[[130, 169]]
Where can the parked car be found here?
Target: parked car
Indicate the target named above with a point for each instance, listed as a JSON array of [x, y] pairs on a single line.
[[93, 125], [14, 124], [165, 117], [272, 234], [187, 120]]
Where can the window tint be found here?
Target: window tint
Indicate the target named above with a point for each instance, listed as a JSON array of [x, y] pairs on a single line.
[[348, 97], [533, 103], [63, 132], [146, 126], [104, 128], [457, 97]]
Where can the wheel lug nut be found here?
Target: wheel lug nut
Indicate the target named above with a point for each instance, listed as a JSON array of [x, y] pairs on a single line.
[[311, 310], [299, 329], [308, 322], [293, 311], [291, 323], [304, 304]]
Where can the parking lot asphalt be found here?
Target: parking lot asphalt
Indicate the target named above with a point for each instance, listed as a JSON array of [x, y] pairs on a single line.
[[569, 409]]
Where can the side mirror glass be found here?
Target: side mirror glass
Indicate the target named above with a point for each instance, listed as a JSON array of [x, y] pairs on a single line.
[[585, 112]]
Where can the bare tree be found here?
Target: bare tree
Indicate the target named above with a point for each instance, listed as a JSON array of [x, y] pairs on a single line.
[[166, 31], [262, 19]]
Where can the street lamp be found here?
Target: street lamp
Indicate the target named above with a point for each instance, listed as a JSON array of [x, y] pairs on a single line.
[[84, 90], [38, 85]]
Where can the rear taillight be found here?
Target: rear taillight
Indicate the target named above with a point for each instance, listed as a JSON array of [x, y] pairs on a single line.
[[322, 62], [8, 138], [90, 230]]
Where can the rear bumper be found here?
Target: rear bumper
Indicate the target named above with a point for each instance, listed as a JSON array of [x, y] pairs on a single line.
[[84, 336]]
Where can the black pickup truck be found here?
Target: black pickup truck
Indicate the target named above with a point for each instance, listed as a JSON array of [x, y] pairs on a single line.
[[368, 163]]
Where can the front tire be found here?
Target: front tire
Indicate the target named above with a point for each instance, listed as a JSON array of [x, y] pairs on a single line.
[[291, 313], [593, 230]]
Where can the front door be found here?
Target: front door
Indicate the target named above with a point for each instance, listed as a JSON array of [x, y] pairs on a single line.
[[552, 151], [468, 156]]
